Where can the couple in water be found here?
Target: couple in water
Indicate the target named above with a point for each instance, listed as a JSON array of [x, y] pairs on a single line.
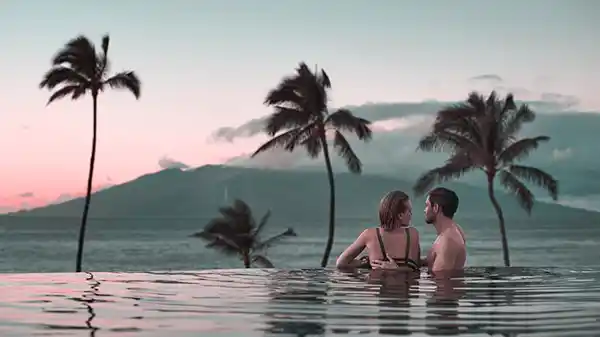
[[395, 244]]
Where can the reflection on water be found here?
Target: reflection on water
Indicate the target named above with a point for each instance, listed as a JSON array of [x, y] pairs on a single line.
[[278, 317], [480, 302]]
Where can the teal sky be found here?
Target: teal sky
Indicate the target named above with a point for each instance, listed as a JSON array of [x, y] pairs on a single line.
[[209, 64]]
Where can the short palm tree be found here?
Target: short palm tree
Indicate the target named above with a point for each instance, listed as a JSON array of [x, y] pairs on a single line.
[[236, 232], [302, 119], [78, 69], [482, 133]]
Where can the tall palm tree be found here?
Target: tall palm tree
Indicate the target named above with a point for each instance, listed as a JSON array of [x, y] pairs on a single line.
[[302, 118], [482, 133], [236, 232], [78, 69]]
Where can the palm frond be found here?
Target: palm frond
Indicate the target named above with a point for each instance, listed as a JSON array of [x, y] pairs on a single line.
[[520, 149], [262, 261], [125, 80], [63, 75], [343, 119], [477, 103], [221, 225], [286, 118], [447, 141], [261, 225], [345, 151], [219, 241], [274, 239], [536, 176], [76, 91], [313, 142], [468, 128], [324, 80], [524, 196], [239, 217], [508, 104], [305, 132], [456, 112], [287, 94], [80, 54], [514, 121], [454, 168], [280, 141]]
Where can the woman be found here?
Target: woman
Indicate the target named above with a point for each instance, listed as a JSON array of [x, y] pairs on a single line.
[[394, 244]]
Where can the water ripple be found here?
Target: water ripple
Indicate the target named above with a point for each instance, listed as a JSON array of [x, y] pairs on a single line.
[[481, 302]]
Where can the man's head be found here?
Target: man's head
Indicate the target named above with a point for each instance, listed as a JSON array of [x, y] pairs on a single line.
[[441, 202], [395, 210]]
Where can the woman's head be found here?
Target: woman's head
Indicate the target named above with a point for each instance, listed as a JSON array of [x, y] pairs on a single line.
[[395, 210]]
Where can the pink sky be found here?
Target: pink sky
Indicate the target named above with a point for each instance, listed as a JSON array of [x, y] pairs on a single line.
[[195, 81]]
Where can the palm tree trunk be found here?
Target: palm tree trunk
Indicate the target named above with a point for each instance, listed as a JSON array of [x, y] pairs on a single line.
[[88, 194], [246, 258], [500, 219], [329, 244]]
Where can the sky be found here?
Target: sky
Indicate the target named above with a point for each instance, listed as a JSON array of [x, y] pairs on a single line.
[[205, 65]]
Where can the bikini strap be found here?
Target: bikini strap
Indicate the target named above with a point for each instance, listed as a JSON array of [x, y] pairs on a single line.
[[381, 245], [407, 231]]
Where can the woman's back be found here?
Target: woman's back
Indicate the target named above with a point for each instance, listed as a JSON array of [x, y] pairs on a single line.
[[401, 244]]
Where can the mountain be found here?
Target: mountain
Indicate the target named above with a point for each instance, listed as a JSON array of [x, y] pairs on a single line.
[[296, 196]]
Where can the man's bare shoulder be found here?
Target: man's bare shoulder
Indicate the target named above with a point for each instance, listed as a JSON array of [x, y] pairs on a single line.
[[450, 241]]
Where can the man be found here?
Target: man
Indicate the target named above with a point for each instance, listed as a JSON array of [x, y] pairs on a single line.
[[448, 252]]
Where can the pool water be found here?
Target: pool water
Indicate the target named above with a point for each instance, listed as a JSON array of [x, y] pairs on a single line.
[[311, 302]]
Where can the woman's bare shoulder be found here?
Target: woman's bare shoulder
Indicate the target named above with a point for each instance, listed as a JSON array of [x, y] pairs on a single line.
[[413, 230]]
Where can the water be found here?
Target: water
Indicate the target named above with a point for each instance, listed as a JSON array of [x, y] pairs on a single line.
[[484, 302], [49, 245]]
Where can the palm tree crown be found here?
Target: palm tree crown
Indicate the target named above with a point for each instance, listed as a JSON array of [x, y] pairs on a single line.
[[236, 232], [302, 118], [77, 69], [482, 134]]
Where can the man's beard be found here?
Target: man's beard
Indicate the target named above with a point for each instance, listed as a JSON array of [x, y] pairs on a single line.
[[429, 220]]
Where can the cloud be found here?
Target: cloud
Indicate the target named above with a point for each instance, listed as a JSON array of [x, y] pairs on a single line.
[[564, 101], [247, 129], [167, 163], [487, 77], [379, 112], [562, 154], [371, 111], [26, 195], [415, 123], [398, 127], [276, 159]]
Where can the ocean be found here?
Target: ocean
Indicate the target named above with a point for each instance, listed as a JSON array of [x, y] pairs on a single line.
[[118, 245]]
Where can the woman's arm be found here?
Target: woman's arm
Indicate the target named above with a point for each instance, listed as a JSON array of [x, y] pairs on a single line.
[[348, 257]]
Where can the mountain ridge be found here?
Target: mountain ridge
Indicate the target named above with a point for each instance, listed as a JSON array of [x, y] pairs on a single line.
[[299, 195]]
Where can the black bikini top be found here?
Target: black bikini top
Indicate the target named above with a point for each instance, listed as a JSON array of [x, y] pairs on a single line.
[[406, 261]]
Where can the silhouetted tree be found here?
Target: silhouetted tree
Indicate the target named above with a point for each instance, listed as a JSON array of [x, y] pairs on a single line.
[[302, 118], [78, 69], [481, 133], [236, 232]]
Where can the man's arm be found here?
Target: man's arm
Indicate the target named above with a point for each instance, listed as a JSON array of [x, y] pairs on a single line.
[[348, 256]]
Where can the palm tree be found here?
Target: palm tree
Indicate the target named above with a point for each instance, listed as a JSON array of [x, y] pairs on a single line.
[[236, 232], [482, 133], [77, 69], [302, 118]]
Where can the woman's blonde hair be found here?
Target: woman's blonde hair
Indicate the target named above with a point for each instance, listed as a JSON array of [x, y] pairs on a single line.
[[390, 206]]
